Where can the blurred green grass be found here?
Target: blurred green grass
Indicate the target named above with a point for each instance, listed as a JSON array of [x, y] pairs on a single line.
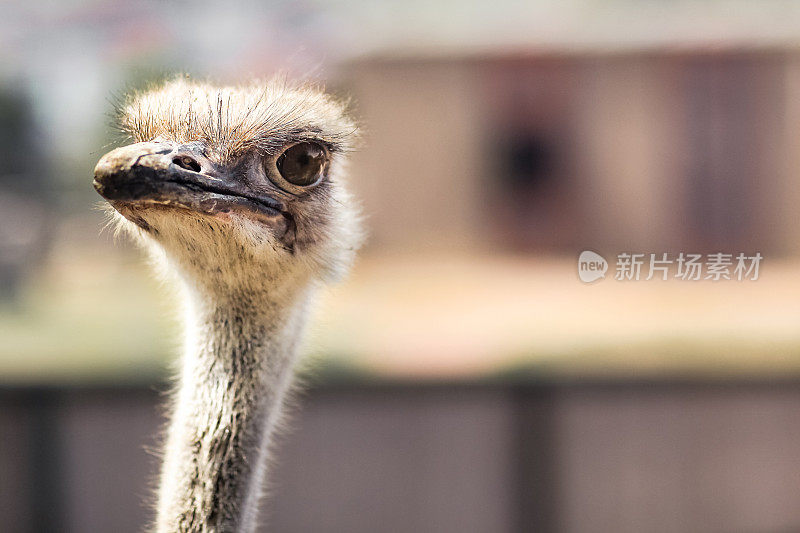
[[95, 314], [87, 321]]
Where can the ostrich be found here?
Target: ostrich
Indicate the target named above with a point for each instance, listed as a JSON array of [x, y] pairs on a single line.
[[237, 195]]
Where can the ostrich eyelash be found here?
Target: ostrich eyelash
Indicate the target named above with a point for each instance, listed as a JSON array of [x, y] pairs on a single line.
[[233, 120]]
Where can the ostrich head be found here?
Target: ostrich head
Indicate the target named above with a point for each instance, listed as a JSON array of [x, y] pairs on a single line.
[[235, 185]]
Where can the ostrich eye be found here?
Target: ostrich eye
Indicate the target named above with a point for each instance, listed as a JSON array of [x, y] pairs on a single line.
[[302, 164]]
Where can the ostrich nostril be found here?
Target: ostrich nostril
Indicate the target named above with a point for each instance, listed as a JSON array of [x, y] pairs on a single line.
[[187, 162]]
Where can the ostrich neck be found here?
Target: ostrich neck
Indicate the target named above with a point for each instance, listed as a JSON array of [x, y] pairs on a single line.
[[237, 365]]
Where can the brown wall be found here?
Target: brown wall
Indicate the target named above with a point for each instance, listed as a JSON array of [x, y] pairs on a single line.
[[651, 151], [581, 457]]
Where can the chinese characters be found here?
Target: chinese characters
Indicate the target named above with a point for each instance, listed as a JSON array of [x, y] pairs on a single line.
[[688, 267]]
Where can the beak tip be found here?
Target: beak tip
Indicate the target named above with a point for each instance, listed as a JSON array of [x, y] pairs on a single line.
[[116, 167]]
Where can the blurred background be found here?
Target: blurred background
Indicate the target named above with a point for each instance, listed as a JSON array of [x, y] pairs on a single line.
[[463, 379]]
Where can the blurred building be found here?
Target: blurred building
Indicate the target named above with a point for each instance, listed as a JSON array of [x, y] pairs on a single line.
[[648, 149]]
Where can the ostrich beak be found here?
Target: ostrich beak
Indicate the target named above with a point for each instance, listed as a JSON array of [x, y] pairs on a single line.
[[162, 174]]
